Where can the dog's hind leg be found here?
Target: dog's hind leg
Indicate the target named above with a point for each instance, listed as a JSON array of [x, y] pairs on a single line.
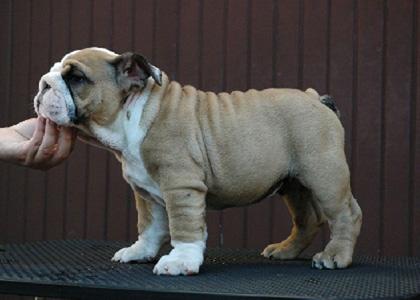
[[330, 184], [306, 218]]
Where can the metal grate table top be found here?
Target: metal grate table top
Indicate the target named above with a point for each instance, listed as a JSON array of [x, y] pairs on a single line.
[[82, 269]]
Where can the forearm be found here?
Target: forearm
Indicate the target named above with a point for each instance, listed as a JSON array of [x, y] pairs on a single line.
[[8, 139]]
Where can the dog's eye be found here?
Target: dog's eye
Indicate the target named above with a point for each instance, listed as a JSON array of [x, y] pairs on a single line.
[[76, 79]]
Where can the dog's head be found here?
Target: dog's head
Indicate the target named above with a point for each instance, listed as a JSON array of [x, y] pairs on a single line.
[[91, 85]]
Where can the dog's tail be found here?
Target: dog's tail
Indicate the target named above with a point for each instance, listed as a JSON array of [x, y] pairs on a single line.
[[327, 100]]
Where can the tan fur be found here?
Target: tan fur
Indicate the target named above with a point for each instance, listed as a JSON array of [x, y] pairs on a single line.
[[104, 97], [144, 214], [231, 149]]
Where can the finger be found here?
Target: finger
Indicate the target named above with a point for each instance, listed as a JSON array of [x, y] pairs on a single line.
[[49, 142], [65, 142], [36, 140]]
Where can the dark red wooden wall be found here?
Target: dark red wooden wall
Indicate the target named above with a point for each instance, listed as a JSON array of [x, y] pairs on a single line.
[[364, 53]]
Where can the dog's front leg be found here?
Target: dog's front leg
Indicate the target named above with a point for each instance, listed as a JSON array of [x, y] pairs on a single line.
[[153, 232], [186, 213]]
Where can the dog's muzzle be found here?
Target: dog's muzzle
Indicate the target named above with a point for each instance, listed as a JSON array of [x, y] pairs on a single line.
[[54, 100]]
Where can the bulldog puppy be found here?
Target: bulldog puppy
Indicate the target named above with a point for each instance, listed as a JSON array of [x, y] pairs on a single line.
[[183, 150]]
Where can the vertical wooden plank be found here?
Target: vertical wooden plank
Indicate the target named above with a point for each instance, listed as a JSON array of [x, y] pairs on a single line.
[[315, 20], [5, 72], [286, 66], [39, 65], [236, 51], [80, 24], [143, 28], [366, 173], [80, 33], [236, 45], [397, 126], [101, 23], [286, 43], [98, 158], [143, 18], [122, 26], [212, 46], [165, 35], [6, 16], [20, 57], [211, 79], [118, 201], [188, 72], [19, 95], [261, 76], [96, 194], [57, 177], [261, 44], [415, 141]]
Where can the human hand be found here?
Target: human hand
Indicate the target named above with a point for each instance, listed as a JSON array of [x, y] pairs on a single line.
[[38, 143]]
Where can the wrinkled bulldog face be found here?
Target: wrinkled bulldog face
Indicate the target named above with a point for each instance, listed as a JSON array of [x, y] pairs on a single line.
[[91, 85]]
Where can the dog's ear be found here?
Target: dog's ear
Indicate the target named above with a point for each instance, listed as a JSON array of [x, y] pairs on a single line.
[[133, 70]]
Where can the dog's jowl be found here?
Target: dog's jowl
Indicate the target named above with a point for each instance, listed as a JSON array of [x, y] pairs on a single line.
[[183, 151]]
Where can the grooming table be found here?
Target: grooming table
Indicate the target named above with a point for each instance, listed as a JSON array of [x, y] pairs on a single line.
[[82, 270]]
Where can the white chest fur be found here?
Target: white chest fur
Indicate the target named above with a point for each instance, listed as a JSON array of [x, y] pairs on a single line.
[[126, 135], [133, 165]]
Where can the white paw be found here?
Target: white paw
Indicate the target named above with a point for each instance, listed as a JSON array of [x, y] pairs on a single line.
[[136, 252], [334, 258], [184, 259]]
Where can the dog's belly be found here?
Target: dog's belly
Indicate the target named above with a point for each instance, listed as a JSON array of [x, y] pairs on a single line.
[[246, 179], [235, 193], [215, 201]]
